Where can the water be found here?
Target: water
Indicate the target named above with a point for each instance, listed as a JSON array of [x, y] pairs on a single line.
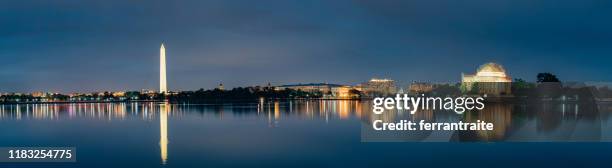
[[290, 134]]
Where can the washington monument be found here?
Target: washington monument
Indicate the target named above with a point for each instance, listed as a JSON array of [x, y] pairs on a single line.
[[163, 85]]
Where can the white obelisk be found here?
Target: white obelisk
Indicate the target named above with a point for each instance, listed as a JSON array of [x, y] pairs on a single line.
[[163, 87]]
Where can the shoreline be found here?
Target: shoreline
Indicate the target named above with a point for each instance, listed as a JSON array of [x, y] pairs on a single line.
[[510, 101], [174, 102]]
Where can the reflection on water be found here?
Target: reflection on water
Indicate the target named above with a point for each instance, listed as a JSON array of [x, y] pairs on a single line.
[[163, 131], [272, 111], [520, 122], [498, 114], [512, 122]]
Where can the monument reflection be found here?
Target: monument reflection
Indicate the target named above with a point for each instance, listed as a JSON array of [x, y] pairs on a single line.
[[163, 131], [512, 122]]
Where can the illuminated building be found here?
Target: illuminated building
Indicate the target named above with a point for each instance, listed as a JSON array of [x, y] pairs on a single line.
[[146, 91], [221, 86], [343, 92], [333, 91], [39, 94], [311, 87], [163, 87], [379, 87], [118, 94], [420, 87], [490, 78]]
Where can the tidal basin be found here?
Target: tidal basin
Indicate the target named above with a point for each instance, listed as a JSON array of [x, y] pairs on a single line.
[[302, 133]]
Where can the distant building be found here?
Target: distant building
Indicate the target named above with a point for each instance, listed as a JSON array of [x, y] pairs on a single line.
[[147, 91], [344, 92], [324, 88], [420, 87], [490, 79], [39, 94], [118, 94], [379, 87], [220, 87], [333, 91]]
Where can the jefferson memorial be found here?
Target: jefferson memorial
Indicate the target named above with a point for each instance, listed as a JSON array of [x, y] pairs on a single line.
[[490, 78]]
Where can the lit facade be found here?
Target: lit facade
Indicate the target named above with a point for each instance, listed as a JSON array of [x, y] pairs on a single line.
[[311, 87], [490, 78], [333, 91], [344, 92], [379, 87], [220, 87], [419, 87]]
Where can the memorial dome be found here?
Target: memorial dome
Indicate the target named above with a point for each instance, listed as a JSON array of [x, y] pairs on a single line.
[[491, 69]]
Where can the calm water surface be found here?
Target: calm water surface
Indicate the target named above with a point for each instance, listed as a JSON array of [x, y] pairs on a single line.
[[297, 134]]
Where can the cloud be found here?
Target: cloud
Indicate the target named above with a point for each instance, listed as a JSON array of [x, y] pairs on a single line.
[[85, 45]]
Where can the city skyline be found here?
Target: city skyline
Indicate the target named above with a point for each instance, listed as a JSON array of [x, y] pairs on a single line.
[[305, 83], [77, 47]]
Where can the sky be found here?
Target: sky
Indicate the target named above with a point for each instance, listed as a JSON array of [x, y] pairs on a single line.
[[83, 46]]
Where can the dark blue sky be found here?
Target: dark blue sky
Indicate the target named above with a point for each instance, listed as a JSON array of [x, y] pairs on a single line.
[[69, 46]]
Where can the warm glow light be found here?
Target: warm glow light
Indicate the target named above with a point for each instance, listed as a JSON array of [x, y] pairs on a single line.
[[276, 110], [380, 80], [163, 88], [163, 132], [343, 110]]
